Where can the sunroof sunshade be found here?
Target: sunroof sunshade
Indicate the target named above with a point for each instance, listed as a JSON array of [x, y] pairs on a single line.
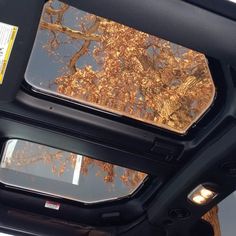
[[103, 64], [38, 168]]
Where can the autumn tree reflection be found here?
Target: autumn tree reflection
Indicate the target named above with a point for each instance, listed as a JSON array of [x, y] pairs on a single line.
[[28, 154], [133, 74], [212, 217]]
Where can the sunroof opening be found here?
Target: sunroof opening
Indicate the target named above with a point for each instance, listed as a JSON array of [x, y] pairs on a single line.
[[103, 64], [46, 170]]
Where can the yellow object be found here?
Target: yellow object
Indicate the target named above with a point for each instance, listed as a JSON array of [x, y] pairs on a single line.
[[7, 38]]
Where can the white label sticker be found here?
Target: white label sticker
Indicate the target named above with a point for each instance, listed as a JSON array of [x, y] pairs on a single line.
[[52, 205], [7, 38]]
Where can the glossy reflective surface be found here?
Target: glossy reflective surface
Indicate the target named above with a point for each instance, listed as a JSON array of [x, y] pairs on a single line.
[[103, 64], [59, 173]]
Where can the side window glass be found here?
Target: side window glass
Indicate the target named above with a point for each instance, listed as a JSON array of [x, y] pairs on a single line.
[[223, 217]]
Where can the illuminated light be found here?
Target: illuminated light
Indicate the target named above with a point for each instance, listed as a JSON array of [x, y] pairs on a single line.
[[198, 199], [234, 1], [206, 193], [202, 195]]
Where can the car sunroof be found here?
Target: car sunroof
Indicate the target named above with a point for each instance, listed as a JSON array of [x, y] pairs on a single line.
[[108, 66], [50, 171]]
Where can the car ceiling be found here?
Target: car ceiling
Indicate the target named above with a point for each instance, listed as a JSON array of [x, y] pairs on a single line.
[[201, 152]]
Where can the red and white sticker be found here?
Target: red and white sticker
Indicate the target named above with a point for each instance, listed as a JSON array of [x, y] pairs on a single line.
[[52, 205]]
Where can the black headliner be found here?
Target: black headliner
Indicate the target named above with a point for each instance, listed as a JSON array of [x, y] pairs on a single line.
[[47, 121]]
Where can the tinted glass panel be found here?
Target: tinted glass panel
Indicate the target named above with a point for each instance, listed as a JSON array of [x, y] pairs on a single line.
[[100, 63], [223, 217], [55, 172]]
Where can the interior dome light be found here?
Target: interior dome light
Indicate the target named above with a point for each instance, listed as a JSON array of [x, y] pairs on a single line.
[[198, 199], [207, 193], [202, 195]]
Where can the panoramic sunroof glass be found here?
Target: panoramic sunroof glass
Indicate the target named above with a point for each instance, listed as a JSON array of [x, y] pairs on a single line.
[[51, 171], [103, 64]]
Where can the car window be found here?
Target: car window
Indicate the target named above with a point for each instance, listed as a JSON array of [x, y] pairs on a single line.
[[223, 217], [59, 173], [102, 64]]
